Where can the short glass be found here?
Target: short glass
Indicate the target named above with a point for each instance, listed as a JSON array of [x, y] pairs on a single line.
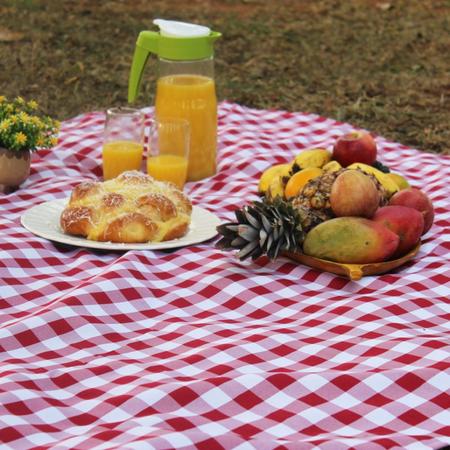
[[168, 151], [123, 142]]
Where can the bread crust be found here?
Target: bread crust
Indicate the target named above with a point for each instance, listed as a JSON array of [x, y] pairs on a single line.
[[132, 208]]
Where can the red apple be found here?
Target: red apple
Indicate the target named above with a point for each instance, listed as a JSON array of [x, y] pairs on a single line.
[[415, 198], [356, 146], [406, 223]]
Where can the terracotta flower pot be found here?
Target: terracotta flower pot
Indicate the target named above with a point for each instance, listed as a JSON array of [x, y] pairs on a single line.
[[14, 169]]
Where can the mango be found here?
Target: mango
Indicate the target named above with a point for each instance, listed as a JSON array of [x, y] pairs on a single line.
[[417, 199], [269, 174], [354, 194], [406, 222], [351, 240]]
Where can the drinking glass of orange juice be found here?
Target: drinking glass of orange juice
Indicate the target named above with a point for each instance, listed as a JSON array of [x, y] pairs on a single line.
[[168, 150], [123, 143]]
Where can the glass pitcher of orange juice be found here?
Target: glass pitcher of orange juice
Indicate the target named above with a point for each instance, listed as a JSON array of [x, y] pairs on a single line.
[[185, 88]]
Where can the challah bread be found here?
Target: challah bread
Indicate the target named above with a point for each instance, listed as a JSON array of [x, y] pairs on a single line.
[[130, 208]]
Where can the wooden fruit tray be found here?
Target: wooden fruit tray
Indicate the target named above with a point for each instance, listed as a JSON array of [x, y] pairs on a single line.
[[352, 271]]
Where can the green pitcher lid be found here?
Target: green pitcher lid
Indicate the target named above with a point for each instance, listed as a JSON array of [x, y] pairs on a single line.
[[178, 41]]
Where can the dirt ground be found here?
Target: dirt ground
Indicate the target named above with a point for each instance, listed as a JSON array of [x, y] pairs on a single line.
[[381, 65]]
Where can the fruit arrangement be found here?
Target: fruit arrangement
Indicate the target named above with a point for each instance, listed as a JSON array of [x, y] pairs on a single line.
[[342, 206]]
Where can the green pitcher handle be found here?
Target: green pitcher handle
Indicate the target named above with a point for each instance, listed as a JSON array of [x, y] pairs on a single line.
[[147, 43]]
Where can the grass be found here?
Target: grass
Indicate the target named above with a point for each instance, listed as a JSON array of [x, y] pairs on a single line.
[[380, 65]]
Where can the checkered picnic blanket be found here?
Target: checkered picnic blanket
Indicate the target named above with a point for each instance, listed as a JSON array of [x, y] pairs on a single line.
[[191, 348]]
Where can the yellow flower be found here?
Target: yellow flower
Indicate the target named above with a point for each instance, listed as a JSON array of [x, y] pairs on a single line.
[[9, 108], [13, 119], [33, 104], [24, 117], [20, 138], [40, 141], [4, 125], [53, 141], [2, 98], [36, 121], [20, 100]]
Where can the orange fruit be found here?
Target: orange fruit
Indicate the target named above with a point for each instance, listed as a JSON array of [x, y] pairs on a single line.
[[299, 179]]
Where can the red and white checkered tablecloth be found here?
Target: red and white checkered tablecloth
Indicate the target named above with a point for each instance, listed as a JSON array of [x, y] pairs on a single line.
[[190, 348]]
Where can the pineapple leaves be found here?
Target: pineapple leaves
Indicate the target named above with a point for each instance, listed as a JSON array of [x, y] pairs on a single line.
[[266, 227]]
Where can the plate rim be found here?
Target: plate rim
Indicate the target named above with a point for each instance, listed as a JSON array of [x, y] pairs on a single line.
[[78, 241]]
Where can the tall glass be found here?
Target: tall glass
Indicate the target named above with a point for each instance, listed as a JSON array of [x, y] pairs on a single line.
[[168, 150], [123, 143]]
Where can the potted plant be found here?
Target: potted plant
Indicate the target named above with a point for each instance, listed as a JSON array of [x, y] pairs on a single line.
[[22, 131]]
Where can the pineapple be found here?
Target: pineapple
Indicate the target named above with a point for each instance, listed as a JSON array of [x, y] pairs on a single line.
[[316, 194], [274, 225], [266, 227]]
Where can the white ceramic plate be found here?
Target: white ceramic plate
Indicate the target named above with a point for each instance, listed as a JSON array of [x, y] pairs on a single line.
[[43, 220]]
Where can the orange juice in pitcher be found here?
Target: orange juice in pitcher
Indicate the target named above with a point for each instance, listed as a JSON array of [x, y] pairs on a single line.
[[185, 86], [192, 97]]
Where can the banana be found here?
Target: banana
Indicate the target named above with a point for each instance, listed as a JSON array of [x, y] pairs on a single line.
[[389, 185], [399, 180], [312, 157], [332, 166], [276, 187], [269, 174]]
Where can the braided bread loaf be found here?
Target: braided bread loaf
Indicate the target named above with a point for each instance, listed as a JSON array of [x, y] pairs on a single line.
[[130, 208]]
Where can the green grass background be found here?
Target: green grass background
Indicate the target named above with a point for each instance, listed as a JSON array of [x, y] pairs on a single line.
[[380, 65]]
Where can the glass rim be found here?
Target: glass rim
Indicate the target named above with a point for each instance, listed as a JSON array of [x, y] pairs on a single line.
[[124, 111]]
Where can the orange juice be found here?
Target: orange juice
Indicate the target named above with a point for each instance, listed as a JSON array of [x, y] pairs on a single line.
[[119, 156], [192, 97], [168, 168]]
